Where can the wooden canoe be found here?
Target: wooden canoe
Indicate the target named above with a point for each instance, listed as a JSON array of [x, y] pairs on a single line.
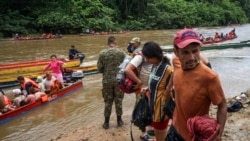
[[25, 38], [10, 80], [30, 38], [218, 41], [33, 66], [225, 46], [24, 109], [215, 46]]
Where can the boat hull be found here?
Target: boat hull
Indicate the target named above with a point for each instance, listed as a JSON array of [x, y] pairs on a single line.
[[215, 46], [232, 45], [218, 41], [24, 109], [32, 66], [11, 79]]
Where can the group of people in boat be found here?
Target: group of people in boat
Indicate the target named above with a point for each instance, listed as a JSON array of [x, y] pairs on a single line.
[[219, 37], [110, 31], [43, 36], [30, 91]]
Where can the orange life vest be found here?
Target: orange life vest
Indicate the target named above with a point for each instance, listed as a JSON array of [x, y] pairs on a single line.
[[26, 80], [56, 86], [216, 35], [6, 100]]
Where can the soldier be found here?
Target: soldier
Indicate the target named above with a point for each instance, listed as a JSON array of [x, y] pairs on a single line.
[[108, 63], [133, 45]]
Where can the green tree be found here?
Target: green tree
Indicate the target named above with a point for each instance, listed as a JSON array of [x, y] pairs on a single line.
[[74, 16], [79, 15]]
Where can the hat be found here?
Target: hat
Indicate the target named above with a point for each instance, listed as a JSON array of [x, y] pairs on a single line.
[[16, 91], [135, 40], [186, 37], [39, 79]]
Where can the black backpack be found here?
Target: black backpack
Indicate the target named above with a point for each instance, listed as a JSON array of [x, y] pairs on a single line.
[[141, 116], [234, 106]]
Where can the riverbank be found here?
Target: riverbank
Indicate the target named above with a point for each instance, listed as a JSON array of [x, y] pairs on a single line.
[[236, 128]]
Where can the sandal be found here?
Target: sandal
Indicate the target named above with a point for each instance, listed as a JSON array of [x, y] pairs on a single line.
[[146, 137], [151, 132]]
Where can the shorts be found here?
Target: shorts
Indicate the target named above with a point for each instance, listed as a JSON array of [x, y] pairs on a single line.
[[173, 135], [22, 103], [58, 76], [47, 91], [160, 125]]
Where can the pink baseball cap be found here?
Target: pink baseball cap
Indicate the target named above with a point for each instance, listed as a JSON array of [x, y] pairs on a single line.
[[186, 37]]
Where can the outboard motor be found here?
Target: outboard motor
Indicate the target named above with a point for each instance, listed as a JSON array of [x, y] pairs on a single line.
[[73, 76], [76, 75]]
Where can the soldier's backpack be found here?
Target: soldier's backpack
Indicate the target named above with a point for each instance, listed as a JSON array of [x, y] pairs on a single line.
[[125, 83]]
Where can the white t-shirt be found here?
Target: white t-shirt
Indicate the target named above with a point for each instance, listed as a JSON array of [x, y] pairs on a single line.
[[18, 99], [144, 69], [41, 87], [48, 83]]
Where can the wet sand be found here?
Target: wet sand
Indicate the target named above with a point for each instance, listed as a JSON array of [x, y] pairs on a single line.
[[237, 128]]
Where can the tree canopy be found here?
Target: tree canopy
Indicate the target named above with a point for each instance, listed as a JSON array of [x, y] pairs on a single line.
[[75, 16]]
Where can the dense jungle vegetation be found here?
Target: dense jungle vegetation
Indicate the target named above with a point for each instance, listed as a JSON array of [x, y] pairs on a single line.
[[75, 16]]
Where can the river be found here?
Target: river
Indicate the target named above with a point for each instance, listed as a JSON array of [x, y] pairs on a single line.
[[85, 105]]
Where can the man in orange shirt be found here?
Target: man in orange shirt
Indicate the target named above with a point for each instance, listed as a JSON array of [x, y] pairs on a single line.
[[196, 87], [26, 83]]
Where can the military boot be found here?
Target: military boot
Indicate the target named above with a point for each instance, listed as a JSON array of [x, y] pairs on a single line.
[[119, 121], [106, 123]]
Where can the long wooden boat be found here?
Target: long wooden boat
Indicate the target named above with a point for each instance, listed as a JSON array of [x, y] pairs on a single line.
[[28, 38], [10, 80], [33, 66], [234, 24], [218, 41], [37, 38], [24, 109], [215, 46], [225, 46], [42, 37], [103, 33]]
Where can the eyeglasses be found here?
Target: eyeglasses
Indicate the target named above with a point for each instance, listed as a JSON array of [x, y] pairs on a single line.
[[189, 34]]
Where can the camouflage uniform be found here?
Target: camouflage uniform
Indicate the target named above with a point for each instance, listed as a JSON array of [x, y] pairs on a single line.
[[108, 62]]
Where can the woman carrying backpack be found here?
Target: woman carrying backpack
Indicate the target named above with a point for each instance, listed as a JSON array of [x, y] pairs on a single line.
[[141, 81], [158, 81]]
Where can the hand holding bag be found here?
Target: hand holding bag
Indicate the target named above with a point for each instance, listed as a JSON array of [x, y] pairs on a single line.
[[169, 106]]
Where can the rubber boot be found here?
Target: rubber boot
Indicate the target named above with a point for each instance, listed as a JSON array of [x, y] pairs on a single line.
[[119, 121], [106, 123]]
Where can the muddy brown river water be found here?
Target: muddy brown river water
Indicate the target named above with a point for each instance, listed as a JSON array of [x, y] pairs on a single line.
[[86, 104]]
